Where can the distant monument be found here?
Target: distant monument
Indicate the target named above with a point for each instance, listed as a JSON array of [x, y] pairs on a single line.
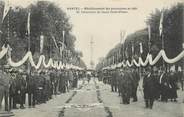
[[91, 58]]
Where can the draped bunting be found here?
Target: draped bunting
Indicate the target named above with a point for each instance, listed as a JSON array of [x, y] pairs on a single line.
[[3, 51], [149, 60], [48, 64], [58, 64], [41, 61]]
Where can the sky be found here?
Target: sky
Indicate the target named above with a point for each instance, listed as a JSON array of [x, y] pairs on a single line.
[[104, 28]]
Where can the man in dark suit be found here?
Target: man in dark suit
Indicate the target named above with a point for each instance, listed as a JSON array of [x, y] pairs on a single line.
[[164, 86], [12, 91], [4, 86], [149, 85], [21, 89], [113, 80], [31, 88], [173, 79], [135, 83], [62, 82]]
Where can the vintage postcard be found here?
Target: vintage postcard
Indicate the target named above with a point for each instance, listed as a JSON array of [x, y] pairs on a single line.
[[91, 58]]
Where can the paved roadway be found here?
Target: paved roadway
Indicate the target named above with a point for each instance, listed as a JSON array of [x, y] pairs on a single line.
[[96, 100]]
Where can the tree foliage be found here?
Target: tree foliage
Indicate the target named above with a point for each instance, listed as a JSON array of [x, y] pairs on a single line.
[[172, 35], [46, 19]]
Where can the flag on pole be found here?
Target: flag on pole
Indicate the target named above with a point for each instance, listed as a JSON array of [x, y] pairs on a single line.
[[63, 43], [6, 9], [112, 59], [141, 49], [63, 36], [109, 62], [149, 37], [149, 32], [123, 52], [28, 23], [55, 43], [9, 51], [161, 23], [132, 49], [122, 36], [62, 47], [41, 43], [115, 58], [61, 51], [119, 54], [126, 53]]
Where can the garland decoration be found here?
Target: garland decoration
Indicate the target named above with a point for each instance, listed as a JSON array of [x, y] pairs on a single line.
[[29, 57], [149, 60], [59, 65]]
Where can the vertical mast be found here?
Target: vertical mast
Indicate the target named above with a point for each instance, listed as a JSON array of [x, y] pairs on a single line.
[[91, 57]]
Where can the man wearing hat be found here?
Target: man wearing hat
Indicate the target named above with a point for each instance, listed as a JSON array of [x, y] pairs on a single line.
[[135, 83], [149, 87], [12, 90], [54, 80], [21, 88], [31, 88], [119, 75], [127, 86], [4, 86], [41, 96], [173, 85]]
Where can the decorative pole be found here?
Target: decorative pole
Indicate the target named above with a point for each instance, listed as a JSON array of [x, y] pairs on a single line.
[[183, 58], [149, 39], [29, 40], [141, 51], [41, 43], [161, 34], [63, 34], [132, 50], [63, 42]]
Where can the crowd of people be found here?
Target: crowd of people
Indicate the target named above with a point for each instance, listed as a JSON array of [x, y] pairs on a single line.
[[124, 81], [39, 85], [158, 84]]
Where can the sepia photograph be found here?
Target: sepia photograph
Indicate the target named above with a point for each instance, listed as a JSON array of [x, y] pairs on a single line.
[[91, 58]]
